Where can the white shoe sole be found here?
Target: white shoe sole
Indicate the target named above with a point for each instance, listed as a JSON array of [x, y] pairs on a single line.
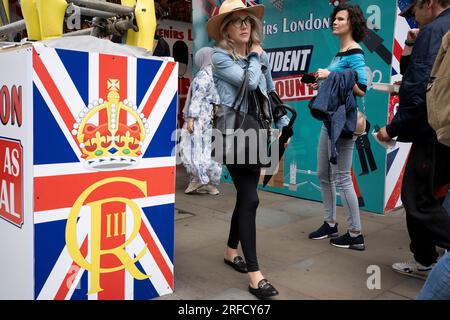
[[412, 274], [205, 191], [359, 247], [192, 190], [333, 235]]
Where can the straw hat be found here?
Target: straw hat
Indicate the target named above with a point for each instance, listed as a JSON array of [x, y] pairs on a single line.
[[227, 7]]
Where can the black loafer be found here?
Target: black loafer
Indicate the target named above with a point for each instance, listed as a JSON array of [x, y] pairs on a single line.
[[264, 290], [238, 264]]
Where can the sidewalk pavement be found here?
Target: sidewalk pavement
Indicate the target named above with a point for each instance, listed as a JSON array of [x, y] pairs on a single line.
[[298, 267]]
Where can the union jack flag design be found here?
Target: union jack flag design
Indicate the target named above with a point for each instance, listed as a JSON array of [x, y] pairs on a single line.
[[250, 3], [396, 158], [104, 175]]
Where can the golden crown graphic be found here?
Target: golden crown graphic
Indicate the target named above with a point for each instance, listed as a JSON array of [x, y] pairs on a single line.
[[111, 133]]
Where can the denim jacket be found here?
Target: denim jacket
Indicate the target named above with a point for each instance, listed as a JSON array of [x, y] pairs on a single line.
[[228, 76], [336, 106]]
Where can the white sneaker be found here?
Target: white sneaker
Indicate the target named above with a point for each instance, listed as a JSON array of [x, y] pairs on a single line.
[[413, 269], [193, 186], [209, 189]]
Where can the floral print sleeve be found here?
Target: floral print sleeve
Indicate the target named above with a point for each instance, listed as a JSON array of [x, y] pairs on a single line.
[[203, 93]]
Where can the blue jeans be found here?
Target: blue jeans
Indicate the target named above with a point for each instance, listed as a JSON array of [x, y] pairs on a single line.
[[339, 175], [437, 286]]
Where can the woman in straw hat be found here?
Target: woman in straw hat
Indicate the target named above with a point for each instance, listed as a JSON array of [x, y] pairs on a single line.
[[238, 33], [349, 25]]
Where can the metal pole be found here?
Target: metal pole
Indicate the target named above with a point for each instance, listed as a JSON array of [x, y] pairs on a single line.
[[94, 8], [95, 13], [103, 6], [120, 27], [14, 27], [104, 27], [82, 32]]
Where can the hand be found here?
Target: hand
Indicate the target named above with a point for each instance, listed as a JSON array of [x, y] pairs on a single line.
[[322, 73], [314, 86], [412, 35], [287, 143], [257, 48], [382, 135], [190, 125]]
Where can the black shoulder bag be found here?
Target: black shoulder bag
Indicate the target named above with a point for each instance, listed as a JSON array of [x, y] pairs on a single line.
[[275, 102], [241, 138]]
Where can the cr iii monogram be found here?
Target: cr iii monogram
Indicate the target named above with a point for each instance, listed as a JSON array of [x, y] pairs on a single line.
[[96, 252]]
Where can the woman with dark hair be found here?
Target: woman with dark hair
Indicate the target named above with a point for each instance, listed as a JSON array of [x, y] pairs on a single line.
[[349, 26], [181, 55], [237, 30]]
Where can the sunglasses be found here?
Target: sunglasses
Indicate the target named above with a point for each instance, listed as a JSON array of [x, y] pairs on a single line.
[[238, 22]]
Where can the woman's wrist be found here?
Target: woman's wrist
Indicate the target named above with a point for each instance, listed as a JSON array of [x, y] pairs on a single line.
[[409, 43]]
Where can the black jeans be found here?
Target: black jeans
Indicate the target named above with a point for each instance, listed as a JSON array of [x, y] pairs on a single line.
[[243, 221], [427, 168]]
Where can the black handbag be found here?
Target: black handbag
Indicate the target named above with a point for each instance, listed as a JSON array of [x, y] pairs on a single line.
[[241, 138], [275, 103]]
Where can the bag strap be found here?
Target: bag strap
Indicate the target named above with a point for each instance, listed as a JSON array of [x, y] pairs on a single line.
[[363, 105], [242, 93]]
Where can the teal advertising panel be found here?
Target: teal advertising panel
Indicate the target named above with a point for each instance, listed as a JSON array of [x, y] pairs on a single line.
[[298, 40]]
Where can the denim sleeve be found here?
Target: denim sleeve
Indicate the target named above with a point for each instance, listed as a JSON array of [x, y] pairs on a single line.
[[228, 70], [282, 122], [267, 72]]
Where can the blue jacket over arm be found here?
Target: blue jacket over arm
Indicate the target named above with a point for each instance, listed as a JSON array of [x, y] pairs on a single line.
[[336, 106]]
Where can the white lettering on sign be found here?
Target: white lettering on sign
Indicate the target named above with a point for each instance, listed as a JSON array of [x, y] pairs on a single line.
[[11, 182]]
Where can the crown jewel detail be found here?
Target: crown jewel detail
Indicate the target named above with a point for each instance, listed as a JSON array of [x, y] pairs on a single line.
[[116, 140]]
